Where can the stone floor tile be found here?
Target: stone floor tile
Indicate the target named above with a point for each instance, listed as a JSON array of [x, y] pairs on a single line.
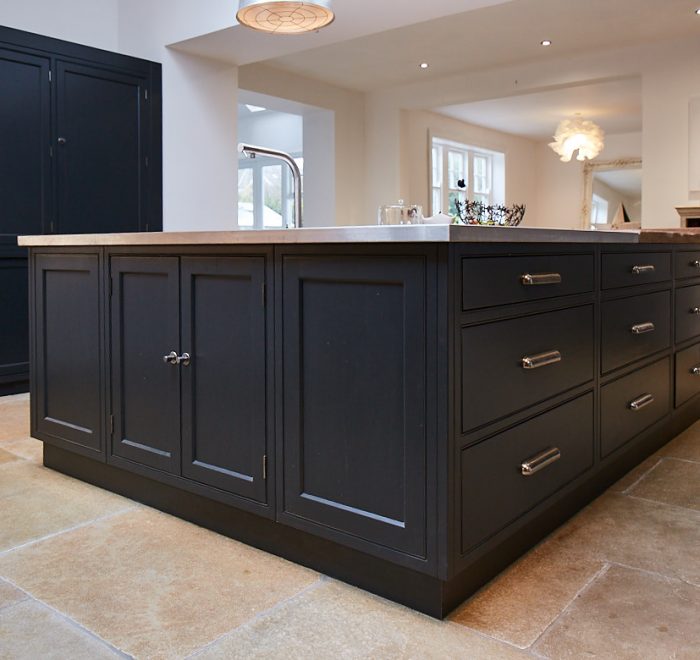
[[14, 419], [634, 475], [31, 630], [522, 601], [672, 482], [10, 595], [637, 533], [153, 585], [7, 457], [27, 448], [336, 621], [685, 446], [628, 614], [35, 502]]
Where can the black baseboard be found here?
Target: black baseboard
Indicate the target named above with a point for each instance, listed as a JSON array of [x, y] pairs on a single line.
[[15, 387]]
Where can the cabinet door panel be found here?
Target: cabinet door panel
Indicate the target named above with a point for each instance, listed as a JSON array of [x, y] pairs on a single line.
[[14, 348], [24, 136], [99, 150], [354, 436], [145, 389], [68, 410], [224, 388]]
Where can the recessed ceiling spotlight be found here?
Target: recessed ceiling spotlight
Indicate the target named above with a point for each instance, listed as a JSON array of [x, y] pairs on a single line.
[[697, 11], [424, 65], [545, 43]]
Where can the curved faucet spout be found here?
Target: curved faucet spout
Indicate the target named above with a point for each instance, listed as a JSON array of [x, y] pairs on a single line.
[[252, 151]]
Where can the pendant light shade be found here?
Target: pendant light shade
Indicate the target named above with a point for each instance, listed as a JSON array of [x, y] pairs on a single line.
[[285, 16], [578, 135]]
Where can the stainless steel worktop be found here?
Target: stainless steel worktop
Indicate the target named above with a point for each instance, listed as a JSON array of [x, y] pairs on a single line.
[[357, 234]]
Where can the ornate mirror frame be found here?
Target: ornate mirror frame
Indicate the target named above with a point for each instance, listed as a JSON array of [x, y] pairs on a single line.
[[589, 169]]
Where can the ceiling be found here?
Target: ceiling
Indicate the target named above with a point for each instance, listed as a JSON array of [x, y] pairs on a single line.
[[498, 35], [354, 18], [616, 106]]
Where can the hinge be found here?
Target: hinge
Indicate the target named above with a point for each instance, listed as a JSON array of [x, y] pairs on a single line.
[[111, 423], [111, 285], [146, 161], [50, 151], [50, 78], [145, 94], [264, 466], [263, 293]]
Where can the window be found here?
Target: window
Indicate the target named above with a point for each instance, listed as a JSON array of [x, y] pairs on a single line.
[[265, 193], [481, 171], [599, 211]]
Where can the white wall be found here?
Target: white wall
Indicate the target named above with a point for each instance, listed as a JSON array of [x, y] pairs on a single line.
[[415, 157], [560, 185], [320, 163], [88, 22], [670, 74], [348, 138], [278, 130]]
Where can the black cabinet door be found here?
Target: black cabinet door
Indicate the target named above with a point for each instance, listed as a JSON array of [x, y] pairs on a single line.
[[67, 379], [100, 142], [14, 347], [145, 322], [224, 387], [24, 144], [354, 399]]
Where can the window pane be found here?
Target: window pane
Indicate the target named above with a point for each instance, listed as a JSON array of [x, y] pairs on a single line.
[[453, 196], [272, 195], [437, 166], [482, 183], [245, 197], [457, 167], [437, 200]]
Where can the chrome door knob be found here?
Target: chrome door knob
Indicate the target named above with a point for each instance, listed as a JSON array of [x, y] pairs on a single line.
[[171, 358], [184, 359]]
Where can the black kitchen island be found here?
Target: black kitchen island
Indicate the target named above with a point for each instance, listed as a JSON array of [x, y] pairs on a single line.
[[407, 409]]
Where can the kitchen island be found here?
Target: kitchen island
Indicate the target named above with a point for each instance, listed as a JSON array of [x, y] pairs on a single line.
[[407, 409]]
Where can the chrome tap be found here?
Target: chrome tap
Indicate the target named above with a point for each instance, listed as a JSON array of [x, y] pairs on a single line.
[[251, 152]]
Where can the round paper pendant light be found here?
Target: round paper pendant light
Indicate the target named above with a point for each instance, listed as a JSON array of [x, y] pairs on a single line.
[[285, 16]]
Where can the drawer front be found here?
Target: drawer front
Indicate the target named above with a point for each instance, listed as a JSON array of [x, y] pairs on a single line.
[[494, 489], [626, 337], [635, 268], [495, 379], [490, 281], [687, 264], [687, 378], [633, 403], [687, 313]]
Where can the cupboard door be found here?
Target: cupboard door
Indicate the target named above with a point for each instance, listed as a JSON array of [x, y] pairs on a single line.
[[100, 142], [67, 372], [224, 405], [145, 322], [14, 347], [354, 400], [24, 135]]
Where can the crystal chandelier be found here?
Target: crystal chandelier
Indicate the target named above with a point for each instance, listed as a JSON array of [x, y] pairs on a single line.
[[580, 135], [285, 16]]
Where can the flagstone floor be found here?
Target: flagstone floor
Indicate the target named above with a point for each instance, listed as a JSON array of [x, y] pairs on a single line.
[[619, 580]]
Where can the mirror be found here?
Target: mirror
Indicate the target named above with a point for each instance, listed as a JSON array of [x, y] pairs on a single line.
[[612, 194]]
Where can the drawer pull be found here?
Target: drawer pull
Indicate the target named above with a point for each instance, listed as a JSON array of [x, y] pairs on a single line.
[[695, 264], [642, 402], [541, 360], [643, 328], [643, 270], [539, 462], [695, 371], [695, 310], [537, 279]]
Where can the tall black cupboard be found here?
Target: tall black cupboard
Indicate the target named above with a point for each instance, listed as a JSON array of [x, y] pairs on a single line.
[[80, 152]]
